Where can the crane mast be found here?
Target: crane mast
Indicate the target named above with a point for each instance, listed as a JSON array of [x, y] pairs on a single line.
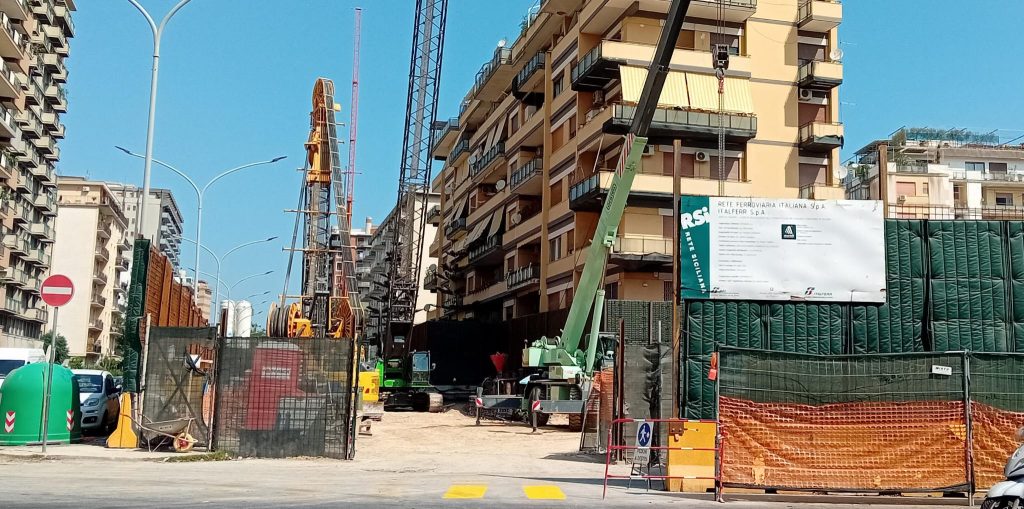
[[406, 238]]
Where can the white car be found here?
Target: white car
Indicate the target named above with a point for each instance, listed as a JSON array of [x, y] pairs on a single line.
[[14, 358], [100, 399]]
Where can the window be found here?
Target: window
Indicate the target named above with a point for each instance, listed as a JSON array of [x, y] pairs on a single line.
[[956, 193], [559, 85], [555, 246], [997, 168], [1004, 199], [973, 166], [906, 188], [924, 189]]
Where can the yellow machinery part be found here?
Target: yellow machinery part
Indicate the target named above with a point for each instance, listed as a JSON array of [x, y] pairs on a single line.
[[369, 384]]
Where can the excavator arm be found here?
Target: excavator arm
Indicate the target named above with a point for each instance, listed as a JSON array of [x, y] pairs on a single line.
[[588, 291]]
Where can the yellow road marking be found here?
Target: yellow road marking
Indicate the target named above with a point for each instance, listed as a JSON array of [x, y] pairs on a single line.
[[466, 491], [543, 493]]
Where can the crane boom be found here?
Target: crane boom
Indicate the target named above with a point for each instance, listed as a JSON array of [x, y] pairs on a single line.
[[618, 191]]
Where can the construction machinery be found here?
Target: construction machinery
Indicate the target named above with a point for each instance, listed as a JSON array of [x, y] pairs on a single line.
[[326, 306], [405, 375], [563, 371]]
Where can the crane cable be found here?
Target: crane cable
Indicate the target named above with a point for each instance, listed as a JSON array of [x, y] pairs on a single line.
[[720, 73]]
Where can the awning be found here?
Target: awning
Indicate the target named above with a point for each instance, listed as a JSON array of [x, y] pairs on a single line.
[[460, 208], [497, 222], [478, 230], [672, 96], [703, 89]]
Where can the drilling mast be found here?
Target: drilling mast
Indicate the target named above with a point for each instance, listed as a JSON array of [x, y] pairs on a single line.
[[353, 123], [406, 242]]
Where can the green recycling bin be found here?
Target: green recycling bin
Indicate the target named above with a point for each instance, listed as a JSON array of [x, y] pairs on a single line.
[[21, 406]]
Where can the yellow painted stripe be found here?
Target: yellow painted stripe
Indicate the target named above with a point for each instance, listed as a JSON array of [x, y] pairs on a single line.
[[466, 491], [543, 493]]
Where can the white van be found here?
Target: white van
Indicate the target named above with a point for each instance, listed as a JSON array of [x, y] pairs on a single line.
[[14, 358]]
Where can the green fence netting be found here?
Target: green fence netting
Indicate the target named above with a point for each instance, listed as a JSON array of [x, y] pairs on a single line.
[[131, 361]]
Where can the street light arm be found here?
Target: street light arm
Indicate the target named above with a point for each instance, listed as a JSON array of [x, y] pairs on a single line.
[[211, 253], [174, 10], [246, 278], [237, 168], [149, 19], [247, 244], [165, 165]]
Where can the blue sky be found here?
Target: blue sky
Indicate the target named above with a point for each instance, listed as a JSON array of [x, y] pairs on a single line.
[[236, 78]]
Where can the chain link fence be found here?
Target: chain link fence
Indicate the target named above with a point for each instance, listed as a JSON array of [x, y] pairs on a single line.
[[280, 397], [879, 423]]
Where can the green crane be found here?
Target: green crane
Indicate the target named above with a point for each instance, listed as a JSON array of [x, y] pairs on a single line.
[[563, 388]]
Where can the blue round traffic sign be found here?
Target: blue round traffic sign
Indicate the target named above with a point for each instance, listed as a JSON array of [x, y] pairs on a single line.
[[643, 435]]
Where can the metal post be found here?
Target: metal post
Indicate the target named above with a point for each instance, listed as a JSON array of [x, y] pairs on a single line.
[[49, 377], [677, 160], [969, 426], [199, 239]]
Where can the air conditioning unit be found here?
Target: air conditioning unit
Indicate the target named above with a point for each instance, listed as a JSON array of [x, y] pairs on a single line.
[[599, 98], [806, 95], [648, 150], [701, 156], [901, 198]]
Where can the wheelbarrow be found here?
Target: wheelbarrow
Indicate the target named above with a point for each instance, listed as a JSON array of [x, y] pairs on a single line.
[[175, 433]]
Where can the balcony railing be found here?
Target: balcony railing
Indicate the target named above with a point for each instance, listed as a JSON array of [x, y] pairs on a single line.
[[642, 245], [821, 135], [819, 15], [452, 302], [442, 129], [460, 148], [487, 158], [490, 245], [737, 126], [522, 276], [810, 191], [585, 187], [502, 56], [821, 75], [430, 278], [535, 64], [454, 226], [434, 214], [525, 172]]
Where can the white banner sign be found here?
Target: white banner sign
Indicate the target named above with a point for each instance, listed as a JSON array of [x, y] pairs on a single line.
[[793, 250]]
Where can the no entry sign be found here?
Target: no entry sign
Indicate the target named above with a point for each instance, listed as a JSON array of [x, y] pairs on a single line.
[[57, 290]]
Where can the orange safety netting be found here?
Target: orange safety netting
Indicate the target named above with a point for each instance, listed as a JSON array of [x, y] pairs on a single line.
[[994, 434], [871, 446]]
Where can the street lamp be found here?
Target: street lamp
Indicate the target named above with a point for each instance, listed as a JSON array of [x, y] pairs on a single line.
[[200, 193], [220, 259], [246, 278], [158, 33], [256, 295]]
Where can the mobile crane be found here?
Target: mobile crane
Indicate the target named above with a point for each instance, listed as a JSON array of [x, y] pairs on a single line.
[[565, 371]]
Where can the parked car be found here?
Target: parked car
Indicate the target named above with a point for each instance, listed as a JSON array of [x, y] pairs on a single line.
[[14, 358], [100, 399]]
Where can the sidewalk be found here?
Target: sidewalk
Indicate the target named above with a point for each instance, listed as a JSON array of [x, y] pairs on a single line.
[[91, 449]]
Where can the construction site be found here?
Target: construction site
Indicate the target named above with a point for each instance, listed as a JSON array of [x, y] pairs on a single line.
[[629, 272]]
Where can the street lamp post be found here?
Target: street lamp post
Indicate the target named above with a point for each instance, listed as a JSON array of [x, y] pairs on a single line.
[[220, 260], [200, 193], [246, 278], [158, 33]]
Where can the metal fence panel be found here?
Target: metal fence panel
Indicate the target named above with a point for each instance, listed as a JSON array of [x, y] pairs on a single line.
[[279, 397], [178, 374], [997, 412], [843, 423]]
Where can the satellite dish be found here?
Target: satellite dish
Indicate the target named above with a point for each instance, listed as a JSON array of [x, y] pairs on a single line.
[[499, 185], [502, 43], [516, 218], [842, 172], [836, 54]]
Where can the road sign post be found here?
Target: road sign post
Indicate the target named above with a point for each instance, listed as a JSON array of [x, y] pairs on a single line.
[[56, 291]]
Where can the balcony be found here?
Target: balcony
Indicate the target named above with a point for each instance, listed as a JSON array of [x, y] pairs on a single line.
[[735, 11], [42, 230], [820, 75], [445, 134], [11, 83], [452, 302], [528, 85], [594, 71], [460, 149], [12, 43], [434, 215], [99, 278], [486, 161], [493, 77], [522, 277], [57, 97], [30, 125], [8, 128], [525, 179], [641, 252], [601, 65], [430, 279], [36, 315], [819, 191], [482, 252], [455, 227], [103, 232], [96, 325], [63, 17], [98, 301], [820, 15], [23, 184], [15, 244], [486, 292], [690, 124], [821, 136]]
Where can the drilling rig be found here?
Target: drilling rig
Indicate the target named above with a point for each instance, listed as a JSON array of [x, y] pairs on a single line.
[[405, 374], [326, 306]]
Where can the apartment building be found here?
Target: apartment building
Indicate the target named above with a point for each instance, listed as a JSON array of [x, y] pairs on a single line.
[[164, 229], [372, 267], [361, 238], [34, 41], [529, 159], [204, 299], [938, 173], [93, 252]]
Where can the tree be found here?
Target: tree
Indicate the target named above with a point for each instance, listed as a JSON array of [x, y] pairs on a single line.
[[257, 331], [61, 353]]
